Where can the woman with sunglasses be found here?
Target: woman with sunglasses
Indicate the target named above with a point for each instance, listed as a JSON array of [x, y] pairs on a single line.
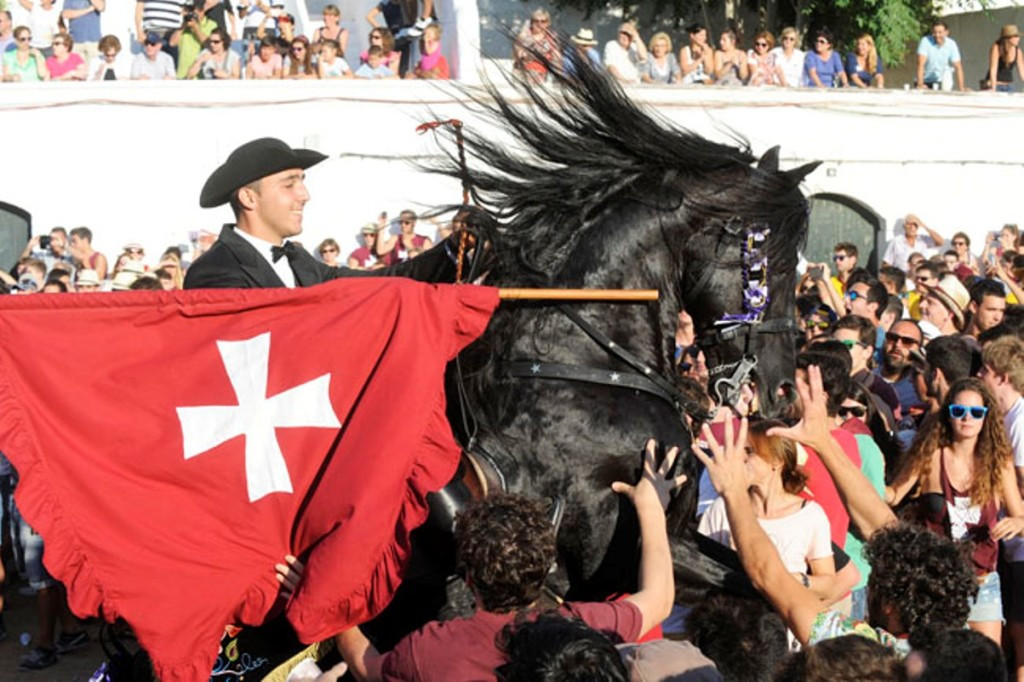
[[298, 65], [536, 47], [789, 59], [382, 38], [65, 65], [823, 68], [216, 61], [798, 528], [328, 252], [24, 64], [863, 66], [962, 469], [761, 61]]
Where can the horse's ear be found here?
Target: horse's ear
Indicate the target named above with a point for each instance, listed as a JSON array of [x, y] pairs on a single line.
[[769, 161], [798, 174]]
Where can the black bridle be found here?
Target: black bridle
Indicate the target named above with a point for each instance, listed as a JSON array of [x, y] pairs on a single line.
[[642, 378]]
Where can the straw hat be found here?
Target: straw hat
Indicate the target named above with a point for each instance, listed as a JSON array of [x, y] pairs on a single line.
[[952, 293], [584, 37], [1009, 31], [88, 278]]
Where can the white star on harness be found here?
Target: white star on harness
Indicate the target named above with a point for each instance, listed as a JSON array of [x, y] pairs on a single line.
[[535, 368], [614, 376], [256, 416]]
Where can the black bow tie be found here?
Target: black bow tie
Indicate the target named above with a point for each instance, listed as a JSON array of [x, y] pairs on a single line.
[[289, 250]]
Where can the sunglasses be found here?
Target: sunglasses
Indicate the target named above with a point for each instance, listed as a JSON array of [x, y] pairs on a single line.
[[408, 222], [821, 41], [760, 43], [908, 341], [329, 249], [839, 257], [215, 41], [850, 343], [60, 43], [298, 48], [922, 280], [961, 411], [853, 411], [24, 39], [820, 324], [788, 38]]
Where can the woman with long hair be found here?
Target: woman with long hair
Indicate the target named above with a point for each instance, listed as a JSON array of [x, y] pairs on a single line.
[[797, 527], [299, 62], [382, 38], [863, 67], [730, 61], [961, 466], [1003, 58]]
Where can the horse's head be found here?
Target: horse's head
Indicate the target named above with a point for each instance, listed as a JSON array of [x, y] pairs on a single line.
[[739, 288]]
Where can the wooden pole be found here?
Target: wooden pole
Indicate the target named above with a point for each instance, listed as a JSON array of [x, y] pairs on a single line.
[[578, 294]]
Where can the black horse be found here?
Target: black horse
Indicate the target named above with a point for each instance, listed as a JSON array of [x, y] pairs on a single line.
[[596, 192]]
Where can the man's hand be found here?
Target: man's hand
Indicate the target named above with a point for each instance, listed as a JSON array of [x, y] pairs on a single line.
[[653, 485], [289, 574], [728, 468], [813, 429]]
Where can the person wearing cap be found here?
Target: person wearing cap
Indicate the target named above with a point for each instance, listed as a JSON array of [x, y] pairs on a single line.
[[264, 182], [153, 64], [938, 58], [944, 304], [1004, 57], [365, 257]]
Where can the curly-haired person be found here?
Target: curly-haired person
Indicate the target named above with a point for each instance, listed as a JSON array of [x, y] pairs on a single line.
[[505, 546], [920, 582], [962, 467]]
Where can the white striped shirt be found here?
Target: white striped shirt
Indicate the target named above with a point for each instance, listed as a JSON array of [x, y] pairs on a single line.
[[161, 15]]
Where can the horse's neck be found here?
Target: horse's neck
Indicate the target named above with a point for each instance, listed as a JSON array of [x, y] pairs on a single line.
[[614, 262]]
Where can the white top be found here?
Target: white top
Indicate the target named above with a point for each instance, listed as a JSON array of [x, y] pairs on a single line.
[[792, 66], [898, 251], [625, 62], [281, 267], [802, 536], [43, 23], [1014, 422]]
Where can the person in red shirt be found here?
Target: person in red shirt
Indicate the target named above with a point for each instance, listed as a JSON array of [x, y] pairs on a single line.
[[65, 65], [506, 545]]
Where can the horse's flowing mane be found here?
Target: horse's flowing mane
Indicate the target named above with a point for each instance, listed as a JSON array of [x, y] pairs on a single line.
[[582, 146]]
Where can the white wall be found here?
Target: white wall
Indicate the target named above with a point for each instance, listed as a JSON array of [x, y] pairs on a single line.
[[129, 159]]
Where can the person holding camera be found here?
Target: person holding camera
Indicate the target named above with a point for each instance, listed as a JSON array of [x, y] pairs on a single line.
[[194, 32], [50, 248]]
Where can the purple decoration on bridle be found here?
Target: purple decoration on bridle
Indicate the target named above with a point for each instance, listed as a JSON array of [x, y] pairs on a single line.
[[755, 278]]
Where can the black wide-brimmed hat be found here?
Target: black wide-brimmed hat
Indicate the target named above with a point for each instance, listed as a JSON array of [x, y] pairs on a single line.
[[250, 162]]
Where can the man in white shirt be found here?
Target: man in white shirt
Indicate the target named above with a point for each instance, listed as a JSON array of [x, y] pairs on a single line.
[[624, 55], [1003, 373], [899, 249]]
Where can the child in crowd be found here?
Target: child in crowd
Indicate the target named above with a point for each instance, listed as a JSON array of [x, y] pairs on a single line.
[[374, 67], [432, 65], [332, 65]]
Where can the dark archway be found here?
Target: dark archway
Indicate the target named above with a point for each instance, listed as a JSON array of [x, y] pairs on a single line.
[[839, 218], [15, 230]]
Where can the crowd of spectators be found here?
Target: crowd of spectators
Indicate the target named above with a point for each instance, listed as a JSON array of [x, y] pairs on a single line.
[[881, 517], [763, 61], [45, 40]]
